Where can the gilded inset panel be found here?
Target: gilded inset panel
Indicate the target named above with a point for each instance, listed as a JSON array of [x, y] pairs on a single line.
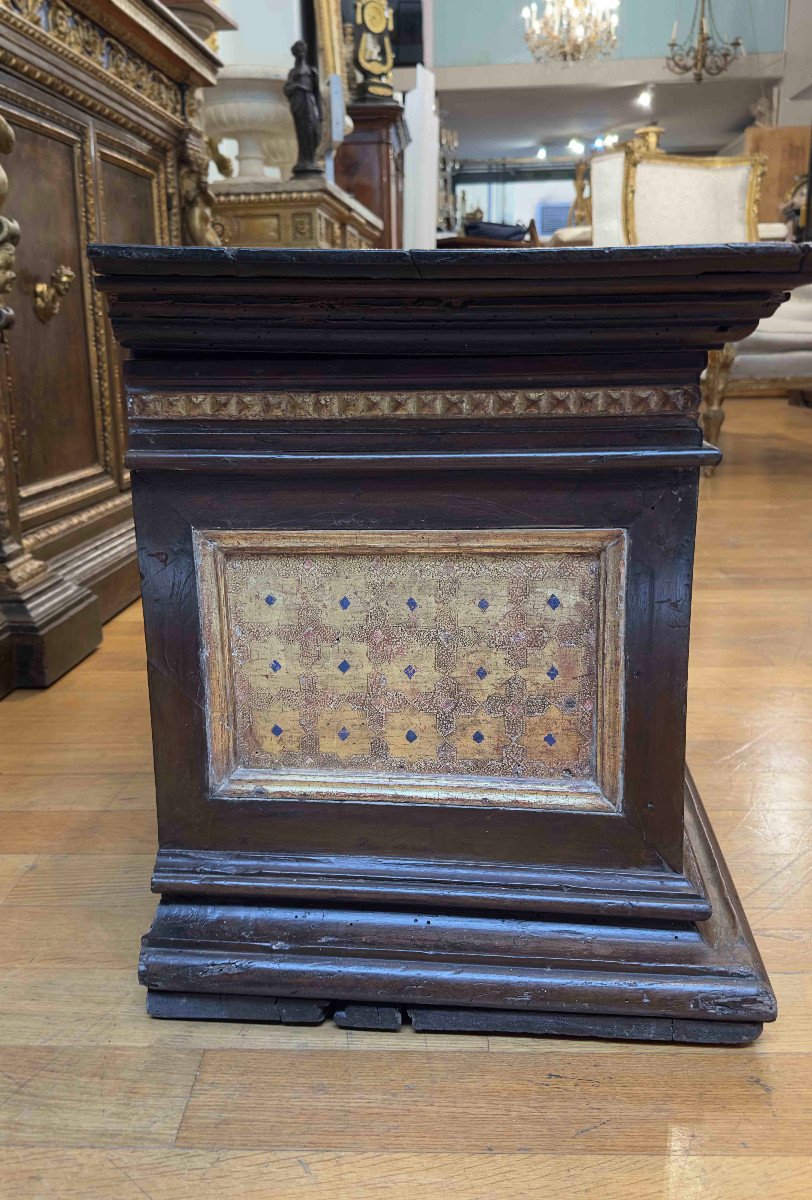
[[475, 668]]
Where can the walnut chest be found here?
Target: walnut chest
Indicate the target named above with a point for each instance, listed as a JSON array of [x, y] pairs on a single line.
[[416, 536]]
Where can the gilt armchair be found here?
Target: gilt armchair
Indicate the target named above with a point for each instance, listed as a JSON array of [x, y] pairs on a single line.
[[642, 196]]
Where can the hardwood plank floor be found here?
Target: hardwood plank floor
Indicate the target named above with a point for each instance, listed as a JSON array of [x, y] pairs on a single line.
[[97, 1102]]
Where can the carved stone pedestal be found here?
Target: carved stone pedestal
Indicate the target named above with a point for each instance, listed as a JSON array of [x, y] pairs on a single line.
[[416, 538], [303, 213]]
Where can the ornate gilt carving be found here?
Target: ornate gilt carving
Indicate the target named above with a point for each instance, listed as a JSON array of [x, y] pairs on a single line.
[[48, 296], [75, 32], [281, 215], [297, 406], [196, 198], [58, 23], [222, 162], [714, 382], [373, 56], [47, 533], [9, 230], [17, 568], [30, 9], [581, 208]]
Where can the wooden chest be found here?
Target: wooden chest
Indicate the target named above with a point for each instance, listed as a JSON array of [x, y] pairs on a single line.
[[416, 536]]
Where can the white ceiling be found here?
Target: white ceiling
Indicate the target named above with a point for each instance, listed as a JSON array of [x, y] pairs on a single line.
[[508, 112]]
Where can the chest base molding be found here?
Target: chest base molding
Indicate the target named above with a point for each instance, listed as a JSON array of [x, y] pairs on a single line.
[[681, 981]]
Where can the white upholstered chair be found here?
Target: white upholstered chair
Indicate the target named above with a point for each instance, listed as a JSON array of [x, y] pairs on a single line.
[[642, 196], [775, 360]]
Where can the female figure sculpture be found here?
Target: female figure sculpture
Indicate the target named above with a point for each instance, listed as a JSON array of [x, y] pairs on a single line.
[[302, 91]]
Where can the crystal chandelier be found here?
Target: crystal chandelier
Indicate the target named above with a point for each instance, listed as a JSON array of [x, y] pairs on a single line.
[[571, 30], [703, 51]]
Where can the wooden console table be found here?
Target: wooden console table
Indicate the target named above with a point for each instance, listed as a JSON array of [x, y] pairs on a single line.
[[416, 536]]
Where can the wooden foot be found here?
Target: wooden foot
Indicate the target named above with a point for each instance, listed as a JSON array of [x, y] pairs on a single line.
[[389, 1018], [636, 1029], [369, 1016], [223, 1006]]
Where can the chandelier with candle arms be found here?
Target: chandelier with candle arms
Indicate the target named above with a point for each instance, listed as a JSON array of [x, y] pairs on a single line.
[[571, 30], [703, 51]]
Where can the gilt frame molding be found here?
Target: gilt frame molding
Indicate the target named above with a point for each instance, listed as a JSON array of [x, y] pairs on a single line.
[[228, 780], [83, 96]]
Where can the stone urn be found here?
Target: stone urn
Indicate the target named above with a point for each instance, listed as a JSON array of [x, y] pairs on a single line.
[[249, 105]]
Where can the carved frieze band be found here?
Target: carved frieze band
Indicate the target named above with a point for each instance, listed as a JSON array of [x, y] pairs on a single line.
[[300, 406], [74, 33]]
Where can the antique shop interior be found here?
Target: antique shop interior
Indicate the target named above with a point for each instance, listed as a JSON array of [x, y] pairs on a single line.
[[405, 599]]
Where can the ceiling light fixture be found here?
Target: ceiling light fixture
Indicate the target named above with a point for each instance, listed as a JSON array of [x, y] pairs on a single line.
[[606, 141], [541, 152], [576, 146], [704, 51], [646, 97], [571, 30]]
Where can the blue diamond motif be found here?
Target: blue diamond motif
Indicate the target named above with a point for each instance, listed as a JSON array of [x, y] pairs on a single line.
[[550, 740], [343, 733], [276, 666], [411, 736], [483, 604], [554, 602], [553, 673], [481, 672], [478, 737], [344, 666], [277, 729], [344, 603], [410, 672], [270, 600], [411, 603]]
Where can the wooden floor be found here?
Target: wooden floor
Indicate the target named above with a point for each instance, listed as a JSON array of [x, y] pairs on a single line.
[[100, 1103]]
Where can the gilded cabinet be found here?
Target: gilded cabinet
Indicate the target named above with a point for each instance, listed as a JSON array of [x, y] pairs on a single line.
[[99, 99]]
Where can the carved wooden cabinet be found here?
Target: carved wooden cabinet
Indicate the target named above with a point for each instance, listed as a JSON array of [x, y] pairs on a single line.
[[99, 96], [369, 164], [416, 538]]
